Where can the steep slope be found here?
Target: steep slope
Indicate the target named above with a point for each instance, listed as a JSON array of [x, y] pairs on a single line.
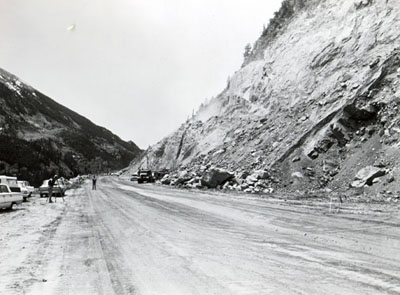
[[314, 102], [38, 137]]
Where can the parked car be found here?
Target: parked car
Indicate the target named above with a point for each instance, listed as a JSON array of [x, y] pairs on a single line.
[[30, 188], [12, 183], [58, 189], [9, 198], [26, 189], [134, 177], [145, 176]]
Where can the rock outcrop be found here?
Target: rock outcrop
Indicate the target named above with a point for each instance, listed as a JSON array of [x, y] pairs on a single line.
[[315, 101]]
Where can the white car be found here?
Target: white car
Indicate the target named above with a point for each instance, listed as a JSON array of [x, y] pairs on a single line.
[[26, 189], [9, 198], [30, 188], [12, 183]]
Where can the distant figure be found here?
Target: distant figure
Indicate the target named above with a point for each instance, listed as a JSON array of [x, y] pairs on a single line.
[[94, 180], [52, 182]]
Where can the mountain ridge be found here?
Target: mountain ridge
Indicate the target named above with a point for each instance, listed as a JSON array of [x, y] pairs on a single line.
[[74, 144]]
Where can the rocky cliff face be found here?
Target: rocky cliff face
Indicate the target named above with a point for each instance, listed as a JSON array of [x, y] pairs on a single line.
[[314, 102], [39, 137]]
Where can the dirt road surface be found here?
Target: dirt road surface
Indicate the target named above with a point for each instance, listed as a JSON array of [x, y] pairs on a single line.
[[126, 238]]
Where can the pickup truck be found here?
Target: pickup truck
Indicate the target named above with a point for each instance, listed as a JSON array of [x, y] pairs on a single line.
[[9, 198]]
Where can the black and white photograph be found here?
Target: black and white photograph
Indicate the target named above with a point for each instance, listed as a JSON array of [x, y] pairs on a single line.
[[187, 147]]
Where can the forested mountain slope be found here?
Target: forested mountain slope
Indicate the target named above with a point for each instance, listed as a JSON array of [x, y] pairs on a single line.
[[39, 137]]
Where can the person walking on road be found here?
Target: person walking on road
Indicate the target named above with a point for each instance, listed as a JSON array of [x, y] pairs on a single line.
[[51, 183], [94, 180]]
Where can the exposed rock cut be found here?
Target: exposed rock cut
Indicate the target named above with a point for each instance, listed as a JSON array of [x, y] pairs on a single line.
[[317, 95]]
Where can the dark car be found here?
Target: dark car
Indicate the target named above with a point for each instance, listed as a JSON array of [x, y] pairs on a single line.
[[134, 177], [145, 176]]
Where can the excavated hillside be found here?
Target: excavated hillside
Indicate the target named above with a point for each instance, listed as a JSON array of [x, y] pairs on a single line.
[[39, 137], [315, 102]]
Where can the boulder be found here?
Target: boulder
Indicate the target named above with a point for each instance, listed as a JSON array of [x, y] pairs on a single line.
[[261, 174], [269, 190], [251, 180], [242, 175], [193, 180], [174, 181], [357, 184], [370, 130], [237, 187], [244, 186], [367, 176], [219, 152], [214, 177], [296, 159], [297, 175], [323, 145], [226, 186], [361, 113], [166, 180], [182, 178], [203, 168], [313, 154]]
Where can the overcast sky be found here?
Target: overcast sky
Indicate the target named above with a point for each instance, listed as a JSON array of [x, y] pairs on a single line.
[[138, 68]]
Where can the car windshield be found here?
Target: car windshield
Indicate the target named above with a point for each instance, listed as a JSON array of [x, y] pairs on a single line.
[[12, 182]]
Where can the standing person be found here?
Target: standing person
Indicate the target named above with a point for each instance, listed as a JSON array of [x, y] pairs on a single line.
[[94, 180], [51, 183]]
